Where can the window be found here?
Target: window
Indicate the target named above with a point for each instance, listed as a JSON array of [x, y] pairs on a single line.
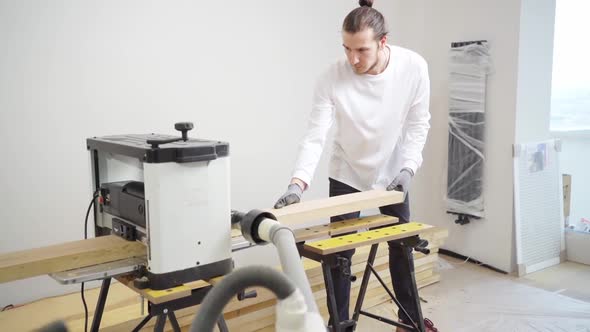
[[570, 97]]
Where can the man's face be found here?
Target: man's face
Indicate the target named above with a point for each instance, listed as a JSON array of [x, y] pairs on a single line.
[[362, 50]]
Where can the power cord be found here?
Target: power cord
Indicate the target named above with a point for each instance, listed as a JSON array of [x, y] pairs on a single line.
[[8, 307], [94, 197]]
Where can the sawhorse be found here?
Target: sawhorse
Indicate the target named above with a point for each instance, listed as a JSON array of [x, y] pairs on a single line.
[[161, 303], [327, 253]]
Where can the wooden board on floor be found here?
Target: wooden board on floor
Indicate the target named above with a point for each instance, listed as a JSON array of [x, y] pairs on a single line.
[[308, 211], [66, 256]]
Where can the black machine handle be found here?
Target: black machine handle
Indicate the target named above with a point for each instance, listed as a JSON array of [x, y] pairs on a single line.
[[183, 127], [246, 295], [422, 247]]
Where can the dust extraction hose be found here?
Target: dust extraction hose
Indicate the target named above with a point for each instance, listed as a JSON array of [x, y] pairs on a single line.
[[251, 276]]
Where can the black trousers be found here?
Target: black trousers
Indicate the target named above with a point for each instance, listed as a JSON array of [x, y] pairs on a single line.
[[400, 276]]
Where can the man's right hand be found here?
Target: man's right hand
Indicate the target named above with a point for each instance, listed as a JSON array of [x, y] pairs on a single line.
[[292, 196]]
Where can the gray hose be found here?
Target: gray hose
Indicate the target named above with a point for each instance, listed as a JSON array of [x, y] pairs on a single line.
[[284, 240], [212, 306]]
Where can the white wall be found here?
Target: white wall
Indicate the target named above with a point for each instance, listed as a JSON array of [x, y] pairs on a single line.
[[241, 71], [518, 98], [535, 64], [490, 239]]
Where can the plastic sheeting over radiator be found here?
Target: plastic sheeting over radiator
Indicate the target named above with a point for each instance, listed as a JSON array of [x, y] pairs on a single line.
[[469, 67]]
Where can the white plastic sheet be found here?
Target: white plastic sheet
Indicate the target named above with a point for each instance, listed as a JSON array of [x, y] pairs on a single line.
[[469, 67]]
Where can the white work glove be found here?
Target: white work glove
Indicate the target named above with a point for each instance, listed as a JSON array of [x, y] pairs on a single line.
[[402, 181], [292, 196]]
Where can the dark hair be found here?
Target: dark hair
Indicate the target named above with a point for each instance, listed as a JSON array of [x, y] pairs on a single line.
[[365, 17]]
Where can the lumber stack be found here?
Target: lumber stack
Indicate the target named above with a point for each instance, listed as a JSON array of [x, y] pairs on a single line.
[[123, 309]]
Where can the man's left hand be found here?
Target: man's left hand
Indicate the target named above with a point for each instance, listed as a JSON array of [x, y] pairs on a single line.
[[402, 181]]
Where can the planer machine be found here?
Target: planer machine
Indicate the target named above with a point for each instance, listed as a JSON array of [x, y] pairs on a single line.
[[173, 195]]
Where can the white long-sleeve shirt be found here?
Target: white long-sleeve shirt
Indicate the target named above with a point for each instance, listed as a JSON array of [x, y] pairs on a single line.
[[381, 122]]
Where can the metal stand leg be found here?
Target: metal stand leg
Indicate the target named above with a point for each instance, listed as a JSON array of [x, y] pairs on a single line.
[[414, 326], [102, 299], [160, 323], [365, 282], [222, 325], [415, 295], [143, 322], [173, 321], [331, 298]]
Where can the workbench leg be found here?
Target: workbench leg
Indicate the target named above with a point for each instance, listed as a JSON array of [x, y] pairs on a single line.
[[419, 325], [142, 323], [415, 295], [102, 299], [173, 321], [332, 308], [365, 282], [160, 323]]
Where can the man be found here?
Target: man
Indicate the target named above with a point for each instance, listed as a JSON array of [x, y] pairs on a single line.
[[378, 100]]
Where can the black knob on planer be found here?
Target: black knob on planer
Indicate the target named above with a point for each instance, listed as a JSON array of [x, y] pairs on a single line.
[[184, 127]]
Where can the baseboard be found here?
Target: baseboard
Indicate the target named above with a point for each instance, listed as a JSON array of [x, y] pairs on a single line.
[[469, 259]]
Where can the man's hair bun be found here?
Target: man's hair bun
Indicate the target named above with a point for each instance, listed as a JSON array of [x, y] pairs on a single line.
[[368, 3]]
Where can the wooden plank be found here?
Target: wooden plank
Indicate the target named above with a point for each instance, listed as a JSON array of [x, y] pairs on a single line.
[[235, 233], [67, 256], [308, 211], [346, 242], [341, 227]]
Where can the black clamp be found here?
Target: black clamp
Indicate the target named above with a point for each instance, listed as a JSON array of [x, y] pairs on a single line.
[[414, 242], [421, 246], [463, 218], [344, 264]]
